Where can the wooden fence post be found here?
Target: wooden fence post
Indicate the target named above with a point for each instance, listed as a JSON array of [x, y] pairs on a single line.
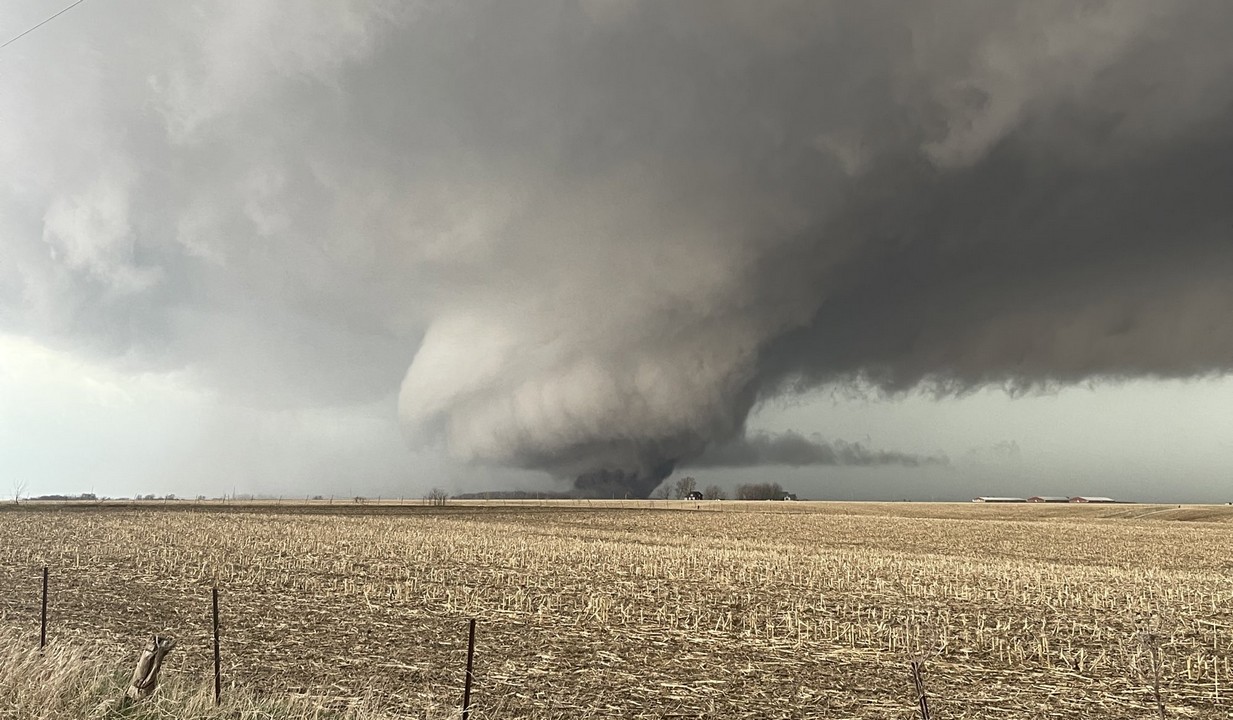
[[144, 681], [466, 692]]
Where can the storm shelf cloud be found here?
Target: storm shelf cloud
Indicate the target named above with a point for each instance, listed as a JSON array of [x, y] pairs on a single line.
[[589, 238]]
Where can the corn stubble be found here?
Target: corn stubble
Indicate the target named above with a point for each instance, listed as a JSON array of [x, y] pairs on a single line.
[[749, 612]]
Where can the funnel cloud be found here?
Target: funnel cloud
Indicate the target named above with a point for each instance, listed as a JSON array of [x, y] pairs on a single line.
[[589, 238]]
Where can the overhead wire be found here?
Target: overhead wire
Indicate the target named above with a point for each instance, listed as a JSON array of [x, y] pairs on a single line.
[[26, 32]]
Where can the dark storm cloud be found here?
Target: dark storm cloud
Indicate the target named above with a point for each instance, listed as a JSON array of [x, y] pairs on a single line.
[[601, 232], [796, 450]]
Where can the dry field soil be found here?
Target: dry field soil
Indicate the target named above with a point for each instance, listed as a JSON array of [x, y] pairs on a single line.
[[653, 610]]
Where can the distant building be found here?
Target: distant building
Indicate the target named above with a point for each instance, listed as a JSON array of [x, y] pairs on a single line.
[[1092, 499], [1048, 499], [788, 496], [694, 495], [992, 499]]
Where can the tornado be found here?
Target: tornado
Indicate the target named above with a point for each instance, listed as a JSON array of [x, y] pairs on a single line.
[[590, 239]]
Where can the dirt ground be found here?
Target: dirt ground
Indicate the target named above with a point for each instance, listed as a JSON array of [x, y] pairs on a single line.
[[640, 610]]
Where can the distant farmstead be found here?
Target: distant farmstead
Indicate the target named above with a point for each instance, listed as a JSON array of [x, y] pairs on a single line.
[[1048, 499], [1092, 499], [992, 499]]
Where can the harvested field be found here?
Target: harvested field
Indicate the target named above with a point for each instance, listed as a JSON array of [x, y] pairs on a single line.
[[716, 610]]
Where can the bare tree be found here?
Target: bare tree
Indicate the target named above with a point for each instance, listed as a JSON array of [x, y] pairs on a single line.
[[661, 492], [760, 491], [684, 486], [436, 496], [19, 489], [714, 492]]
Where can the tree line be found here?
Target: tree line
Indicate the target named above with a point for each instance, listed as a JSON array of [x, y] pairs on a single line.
[[684, 487]]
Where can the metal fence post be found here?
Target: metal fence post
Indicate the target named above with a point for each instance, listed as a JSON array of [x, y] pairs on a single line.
[[43, 622], [922, 700], [466, 692], [218, 675]]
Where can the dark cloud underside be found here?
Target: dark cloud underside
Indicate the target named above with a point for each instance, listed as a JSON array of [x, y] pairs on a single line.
[[599, 233]]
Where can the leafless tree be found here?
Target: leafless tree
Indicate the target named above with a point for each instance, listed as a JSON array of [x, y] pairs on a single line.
[[19, 489], [684, 486], [714, 492], [760, 491], [436, 496]]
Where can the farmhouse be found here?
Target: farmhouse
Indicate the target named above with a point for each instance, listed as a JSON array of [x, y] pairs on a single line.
[[1048, 499], [992, 499], [1091, 499], [694, 495]]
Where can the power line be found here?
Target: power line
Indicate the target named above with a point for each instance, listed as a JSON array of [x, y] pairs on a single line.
[[36, 27]]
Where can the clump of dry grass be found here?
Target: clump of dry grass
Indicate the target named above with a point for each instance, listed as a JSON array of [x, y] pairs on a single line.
[[1148, 656], [64, 681], [53, 683]]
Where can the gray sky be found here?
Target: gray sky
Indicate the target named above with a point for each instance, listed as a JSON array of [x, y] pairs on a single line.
[[865, 249]]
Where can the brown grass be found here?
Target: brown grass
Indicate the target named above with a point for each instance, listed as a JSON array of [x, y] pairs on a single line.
[[750, 610], [82, 681]]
